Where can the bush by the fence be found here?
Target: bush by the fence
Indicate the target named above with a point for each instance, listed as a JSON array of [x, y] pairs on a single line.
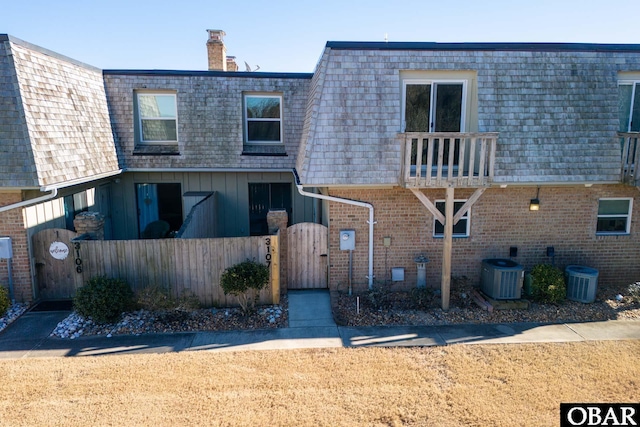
[[5, 302], [103, 299], [244, 281], [548, 284]]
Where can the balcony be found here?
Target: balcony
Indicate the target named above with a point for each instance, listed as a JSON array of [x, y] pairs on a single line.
[[440, 160], [630, 157]]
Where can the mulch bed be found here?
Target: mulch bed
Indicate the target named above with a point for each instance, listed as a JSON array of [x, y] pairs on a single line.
[[422, 307]]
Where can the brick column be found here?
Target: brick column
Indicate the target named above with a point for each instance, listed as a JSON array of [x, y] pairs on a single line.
[[12, 225], [278, 220], [91, 223]]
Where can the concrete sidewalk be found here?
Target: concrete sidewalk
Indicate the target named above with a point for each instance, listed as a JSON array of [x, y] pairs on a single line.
[[320, 337], [310, 326]]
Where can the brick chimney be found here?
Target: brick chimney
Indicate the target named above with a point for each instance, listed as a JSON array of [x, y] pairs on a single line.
[[216, 51], [231, 63]]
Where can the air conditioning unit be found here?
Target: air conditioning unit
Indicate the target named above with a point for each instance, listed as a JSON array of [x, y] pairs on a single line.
[[501, 278], [582, 283]]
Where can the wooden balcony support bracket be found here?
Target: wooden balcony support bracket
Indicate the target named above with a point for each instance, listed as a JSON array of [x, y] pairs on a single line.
[[448, 220]]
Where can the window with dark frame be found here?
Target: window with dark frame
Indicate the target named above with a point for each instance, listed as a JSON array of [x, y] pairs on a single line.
[[262, 198], [461, 229], [263, 119]]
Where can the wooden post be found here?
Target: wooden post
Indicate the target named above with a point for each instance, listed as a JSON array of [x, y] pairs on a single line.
[[445, 286], [275, 268]]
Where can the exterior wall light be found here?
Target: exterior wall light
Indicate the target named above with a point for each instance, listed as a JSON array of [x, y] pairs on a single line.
[[534, 205]]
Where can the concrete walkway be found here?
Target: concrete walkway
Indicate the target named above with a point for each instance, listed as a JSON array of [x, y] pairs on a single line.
[[311, 326]]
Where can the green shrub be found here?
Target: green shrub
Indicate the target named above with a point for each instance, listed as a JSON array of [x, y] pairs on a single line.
[[5, 302], [103, 299], [548, 284], [244, 281], [634, 292]]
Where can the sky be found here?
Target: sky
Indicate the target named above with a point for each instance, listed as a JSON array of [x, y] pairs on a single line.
[[289, 36]]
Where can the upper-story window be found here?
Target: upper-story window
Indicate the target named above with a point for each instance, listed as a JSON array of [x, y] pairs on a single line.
[[629, 105], [434, 105], [157, 118], [263, 119]]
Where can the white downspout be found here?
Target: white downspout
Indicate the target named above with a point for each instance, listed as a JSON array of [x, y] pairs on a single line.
[[371, 222], [54, 193]]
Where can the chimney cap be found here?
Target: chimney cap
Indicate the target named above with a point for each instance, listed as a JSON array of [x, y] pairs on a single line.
[[216, 35]]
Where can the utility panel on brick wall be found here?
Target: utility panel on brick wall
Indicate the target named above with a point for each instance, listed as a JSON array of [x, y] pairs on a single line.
[[6, 251], [347, 240]]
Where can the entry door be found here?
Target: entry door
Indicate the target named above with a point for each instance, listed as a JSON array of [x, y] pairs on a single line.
[[307, 256]]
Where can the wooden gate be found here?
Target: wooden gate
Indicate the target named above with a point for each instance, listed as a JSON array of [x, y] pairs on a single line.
[[307, 256], [55, 262]]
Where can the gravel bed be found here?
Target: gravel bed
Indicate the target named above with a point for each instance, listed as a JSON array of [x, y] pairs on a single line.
[[145, 322], [12, 314], [412, 308]]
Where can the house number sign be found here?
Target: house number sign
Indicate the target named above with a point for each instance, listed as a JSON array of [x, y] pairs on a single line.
[[59, 250], [268, 255]]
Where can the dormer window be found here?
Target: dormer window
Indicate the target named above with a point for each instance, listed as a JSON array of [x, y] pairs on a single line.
[[629, 105], [434, 106], [263, 119], [157, 118]]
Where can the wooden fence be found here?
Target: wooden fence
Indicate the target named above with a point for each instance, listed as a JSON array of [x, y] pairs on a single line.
[[180, 265]]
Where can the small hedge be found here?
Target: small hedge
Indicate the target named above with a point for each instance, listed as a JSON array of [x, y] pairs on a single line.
[[5, 302], [548, 284], [104, 299], [244, 281]]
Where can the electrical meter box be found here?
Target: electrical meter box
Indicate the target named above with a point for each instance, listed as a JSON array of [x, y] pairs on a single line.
[[347, 240], [6, 251]]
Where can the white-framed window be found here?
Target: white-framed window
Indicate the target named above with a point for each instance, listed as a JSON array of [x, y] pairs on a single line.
[[461, 229], [434, 105], [263, 119], [157, 117], [629, 105], [614, 216]]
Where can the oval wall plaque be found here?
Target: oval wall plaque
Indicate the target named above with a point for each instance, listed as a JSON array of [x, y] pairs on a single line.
[[59, 250]]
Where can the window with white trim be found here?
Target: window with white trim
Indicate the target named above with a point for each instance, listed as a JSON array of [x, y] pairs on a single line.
[[262, 119], [461, 229], [434, 105], [157, 117], [614, 216], [629, 105]]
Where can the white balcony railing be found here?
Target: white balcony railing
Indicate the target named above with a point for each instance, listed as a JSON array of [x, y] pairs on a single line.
[[448, 159], [630, 157]]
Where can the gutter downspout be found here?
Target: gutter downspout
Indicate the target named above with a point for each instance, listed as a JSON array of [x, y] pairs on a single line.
[[54, 193], [369, 206]]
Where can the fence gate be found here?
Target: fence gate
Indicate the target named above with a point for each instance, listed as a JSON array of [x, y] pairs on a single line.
[[55, 261], [307, 256]]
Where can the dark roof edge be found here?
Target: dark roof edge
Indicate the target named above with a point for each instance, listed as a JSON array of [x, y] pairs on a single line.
[[31, 46], [541, 47], [246, 74]]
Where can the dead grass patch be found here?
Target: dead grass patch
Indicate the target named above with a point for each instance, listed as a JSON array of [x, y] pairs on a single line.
[[498, 385]]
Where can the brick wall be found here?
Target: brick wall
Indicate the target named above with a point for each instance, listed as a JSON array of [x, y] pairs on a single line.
[[12, 225], [500, 219]]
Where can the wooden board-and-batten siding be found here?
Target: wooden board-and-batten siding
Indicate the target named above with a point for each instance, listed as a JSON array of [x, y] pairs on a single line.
[[180, 265]]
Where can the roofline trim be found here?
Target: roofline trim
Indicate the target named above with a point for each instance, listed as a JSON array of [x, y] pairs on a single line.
[[186, 73], [525, 47], [36, 48]]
